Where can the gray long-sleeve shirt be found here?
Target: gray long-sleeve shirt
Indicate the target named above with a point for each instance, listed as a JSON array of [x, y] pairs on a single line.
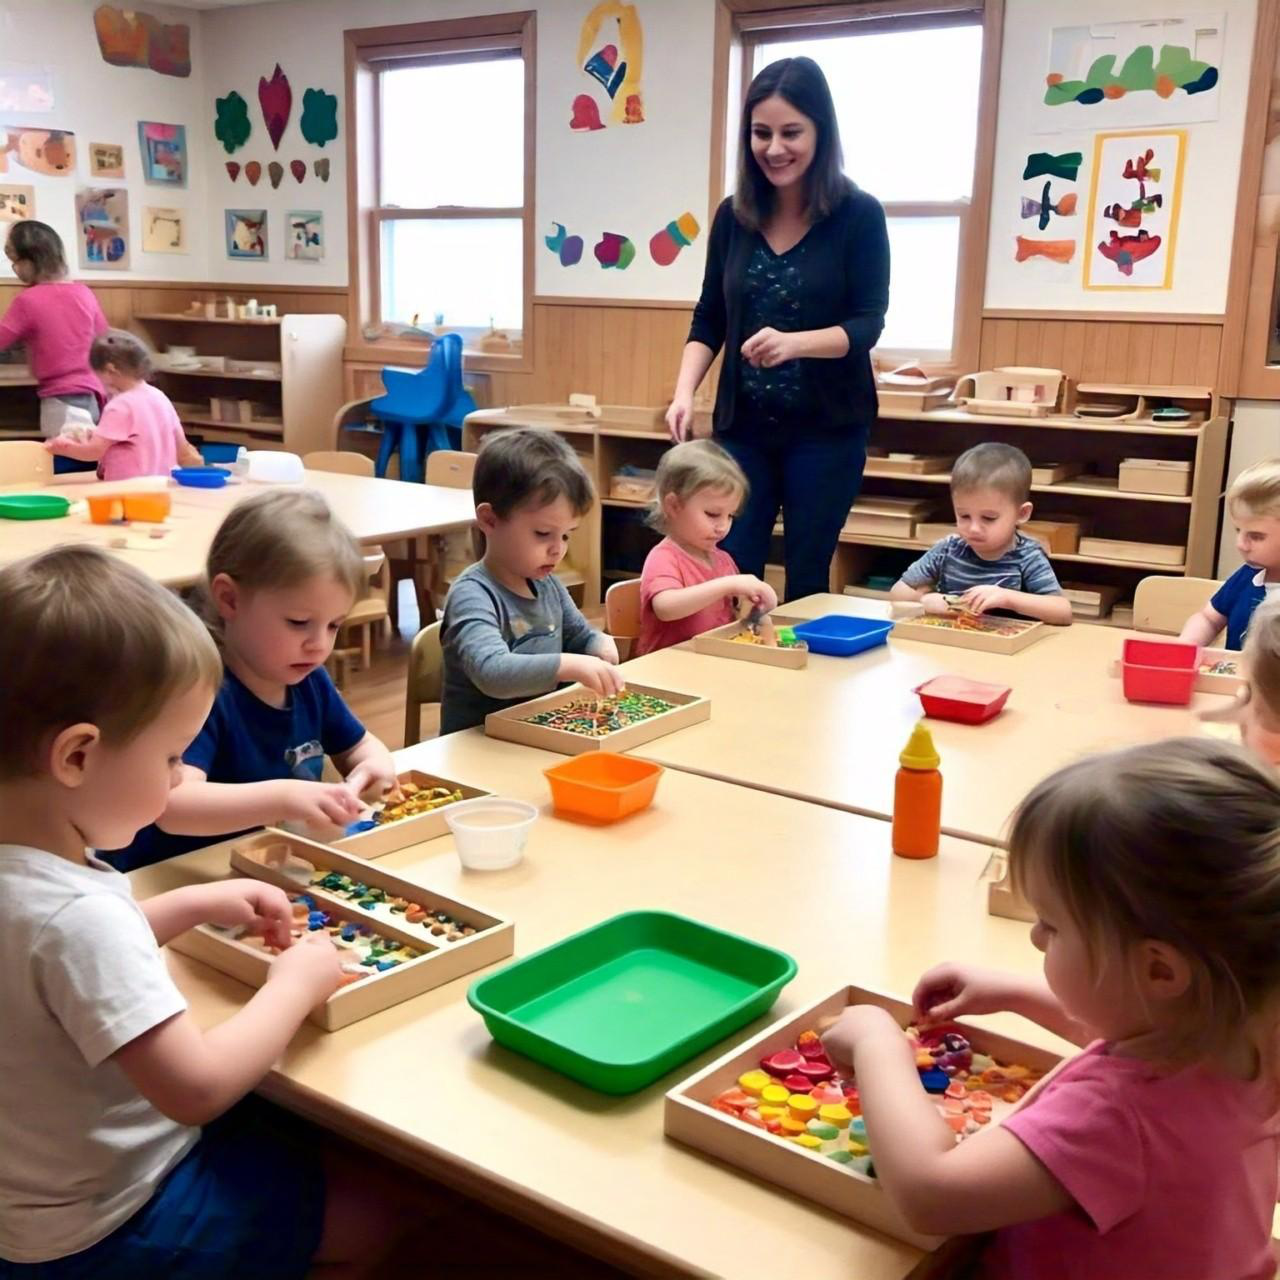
[[501, 648]]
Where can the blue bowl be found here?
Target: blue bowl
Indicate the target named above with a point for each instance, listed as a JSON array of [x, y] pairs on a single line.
[[201, 477], [839, 636]]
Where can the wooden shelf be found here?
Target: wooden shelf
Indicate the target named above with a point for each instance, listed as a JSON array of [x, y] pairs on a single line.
[[239, 375], [260, 428], [1059, 423], [184, 318], [1081, 486]]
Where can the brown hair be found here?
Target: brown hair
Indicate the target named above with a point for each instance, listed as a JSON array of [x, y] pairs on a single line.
[[1255, 491], [122, 349], [993, 466], [529, 466], [40, 245], [85, 638], [687, 468]]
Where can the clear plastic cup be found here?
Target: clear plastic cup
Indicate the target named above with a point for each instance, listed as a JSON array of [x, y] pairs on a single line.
[[490, 832]]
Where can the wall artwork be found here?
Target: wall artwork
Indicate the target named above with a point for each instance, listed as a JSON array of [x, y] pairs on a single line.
[[130, 38], [275, 97], [611, 56], [23, 88], [51, 152], [566, 247], [164, 153], [321, 168], [613, 250], [1133, 210], [665, 245], [1048, 197], [106, 160], [275, 171], [247, 234], [1162, 71], [304, 240], [252, 172], [319, 122], [17, 203], [102, 219], [164, 230], [231, 124]]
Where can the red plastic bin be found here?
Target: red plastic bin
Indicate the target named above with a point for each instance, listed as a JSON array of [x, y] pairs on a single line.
[[968, 701], [1160, 671]]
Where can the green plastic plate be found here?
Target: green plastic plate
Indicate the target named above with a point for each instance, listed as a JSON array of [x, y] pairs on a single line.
[[33, 506], [624, 1002]]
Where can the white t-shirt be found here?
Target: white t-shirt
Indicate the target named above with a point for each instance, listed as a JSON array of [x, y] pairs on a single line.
[[80, 1149]]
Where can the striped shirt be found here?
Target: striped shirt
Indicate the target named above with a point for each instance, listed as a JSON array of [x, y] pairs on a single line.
[[951, 567]]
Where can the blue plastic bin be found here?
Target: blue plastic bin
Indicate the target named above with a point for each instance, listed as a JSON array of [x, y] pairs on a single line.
[[839, 636], [214, 451], [201, 477]]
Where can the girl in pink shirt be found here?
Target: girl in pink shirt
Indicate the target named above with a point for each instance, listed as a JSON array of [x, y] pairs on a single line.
[[1154, 873], [688, 583], [139, 433]]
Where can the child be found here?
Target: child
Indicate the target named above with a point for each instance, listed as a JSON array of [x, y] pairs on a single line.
[[1257, 708], [1254, 503], [105, 1078], [139, 433], [1155, 876], [689, 583], [510, 630], [987, 562], [282, 574], [56, 320]]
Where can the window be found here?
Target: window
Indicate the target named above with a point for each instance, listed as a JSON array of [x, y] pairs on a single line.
[[906, 97]]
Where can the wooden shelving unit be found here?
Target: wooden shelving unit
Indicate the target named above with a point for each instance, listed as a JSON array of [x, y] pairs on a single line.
[[19, 407]]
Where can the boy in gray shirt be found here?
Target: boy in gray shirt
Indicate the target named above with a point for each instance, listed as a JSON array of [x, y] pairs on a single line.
[[510, 630]]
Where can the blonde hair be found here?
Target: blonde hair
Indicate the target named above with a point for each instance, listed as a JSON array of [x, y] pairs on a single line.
[[85, 638], [1177, 841], [282, 538], [1256, 490], [688, 468]]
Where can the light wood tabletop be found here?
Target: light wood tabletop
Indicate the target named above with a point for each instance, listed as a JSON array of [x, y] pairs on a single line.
[[423, 1081], [831, 733], [374, 510]]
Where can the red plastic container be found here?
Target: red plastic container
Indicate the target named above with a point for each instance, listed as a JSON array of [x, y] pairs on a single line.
[[1160, 671], [968, 701]]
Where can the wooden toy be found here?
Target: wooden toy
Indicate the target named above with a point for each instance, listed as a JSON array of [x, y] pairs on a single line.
[[1219, 671], [1144, 405], [737, 640], [1150, 552], [1016, 391], [1155, 475], [574, 720], [692, 1117], [1089, 600], [1055, 472], [909, 389], [887, 517], [1059, 535], [402, 938], [908, 464], [408, 817], [972, 631]]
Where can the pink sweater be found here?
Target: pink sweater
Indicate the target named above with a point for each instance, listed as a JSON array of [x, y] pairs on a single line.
[[669, 567], [57, 323]]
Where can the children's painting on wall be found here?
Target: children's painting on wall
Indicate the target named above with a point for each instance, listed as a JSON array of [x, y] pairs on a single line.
[[305, 228], [1047, 210], [131, 38], [164, 153], [102, 217], [1159, 71], [247, 234], [106, 160], [610, 65], [51, 152], [1133, 211], [24, 88], [164, 230], [17, 203]]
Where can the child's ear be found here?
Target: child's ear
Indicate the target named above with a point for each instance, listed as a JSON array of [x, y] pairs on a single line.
[[70, 753], [1024, 513], [486, 517], [1162, 970], [225, 592], [671, 505]]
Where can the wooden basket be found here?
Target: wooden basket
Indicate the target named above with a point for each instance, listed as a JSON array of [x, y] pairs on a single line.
[[404, 832], [721, 644]]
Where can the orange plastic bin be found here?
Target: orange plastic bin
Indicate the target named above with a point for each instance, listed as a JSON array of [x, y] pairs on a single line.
[[602, 786]]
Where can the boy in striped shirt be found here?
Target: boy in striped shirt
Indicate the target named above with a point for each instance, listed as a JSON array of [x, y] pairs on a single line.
[[987, 563]]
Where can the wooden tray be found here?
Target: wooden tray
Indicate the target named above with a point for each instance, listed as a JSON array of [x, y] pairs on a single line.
[[256, 856], [689, 1118], [408, 831], [1028, 631], [720, 644], [908, 464], [1206, 681], [510, 724], [1117, 549], [1050, 473]]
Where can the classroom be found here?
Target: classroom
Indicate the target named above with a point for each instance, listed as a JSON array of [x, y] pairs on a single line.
[[640, 638]]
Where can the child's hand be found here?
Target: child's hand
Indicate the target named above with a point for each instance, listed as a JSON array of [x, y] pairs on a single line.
[[858, 1023], [935, 602], [607, 650], [313, 963], [604, 679], [319, 804], [747, 586], [949, 990], [980, 599], [55, 445], [377, 776], [262, 908]]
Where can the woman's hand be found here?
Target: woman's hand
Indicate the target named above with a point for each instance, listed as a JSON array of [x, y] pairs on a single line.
[[680, 418], [768, 347]]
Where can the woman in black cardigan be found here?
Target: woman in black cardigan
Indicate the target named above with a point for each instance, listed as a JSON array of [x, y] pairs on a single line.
[[796, 289]]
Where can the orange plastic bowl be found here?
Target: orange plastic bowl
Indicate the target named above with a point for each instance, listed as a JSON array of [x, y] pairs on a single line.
[[148, 507], [106, 508], [602, 786]]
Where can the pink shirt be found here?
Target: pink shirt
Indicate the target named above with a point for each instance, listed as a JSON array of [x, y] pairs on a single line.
[[56, 323], [1173, 1175], [145, 432], [669, 567]]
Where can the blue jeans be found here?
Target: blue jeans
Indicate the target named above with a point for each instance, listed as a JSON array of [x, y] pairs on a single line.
[[814, 481]]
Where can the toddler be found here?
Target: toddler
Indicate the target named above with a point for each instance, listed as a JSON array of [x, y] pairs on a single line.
[[689, 582], [510, 629], [1154, 873], [987, 564]]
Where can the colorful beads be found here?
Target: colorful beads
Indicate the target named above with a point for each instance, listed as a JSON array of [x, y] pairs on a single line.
[[599, 717], [408, 800], [378, 902]]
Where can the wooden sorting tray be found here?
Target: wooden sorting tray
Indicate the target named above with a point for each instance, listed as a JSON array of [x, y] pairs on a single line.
[[1027, 632], [1206, 681], [720, 644], [1149, 552], [511, 723], [408, 831], [690, 1118], [271, 855]]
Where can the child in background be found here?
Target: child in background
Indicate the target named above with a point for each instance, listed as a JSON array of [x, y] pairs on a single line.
[[689, 583], [510, 630], [1155, 876], [105, 1078], [1253, 501], [1256, 709], [139, 433], [282, 574], [987, 561]]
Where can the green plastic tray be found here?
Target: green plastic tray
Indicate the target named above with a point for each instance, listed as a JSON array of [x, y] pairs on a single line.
[[33, 506], [622, 1003]]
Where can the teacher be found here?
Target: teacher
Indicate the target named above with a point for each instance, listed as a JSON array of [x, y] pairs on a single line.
[[795, 290]]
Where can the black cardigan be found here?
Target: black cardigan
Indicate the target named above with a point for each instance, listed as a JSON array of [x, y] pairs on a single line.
[[847, 283]]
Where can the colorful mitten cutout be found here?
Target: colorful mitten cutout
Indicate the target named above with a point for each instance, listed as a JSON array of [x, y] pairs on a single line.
[[568, 248], [613, 250], [586, 115], [666, 244]]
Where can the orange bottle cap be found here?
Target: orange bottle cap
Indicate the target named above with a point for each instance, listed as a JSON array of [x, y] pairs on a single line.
[[920, 752]]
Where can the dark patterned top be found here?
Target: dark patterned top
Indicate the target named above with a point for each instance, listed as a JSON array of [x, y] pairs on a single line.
[[771, 291]]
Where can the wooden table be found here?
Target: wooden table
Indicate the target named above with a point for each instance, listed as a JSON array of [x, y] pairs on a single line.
[[424, 1082], [832, 732], [374, 510]]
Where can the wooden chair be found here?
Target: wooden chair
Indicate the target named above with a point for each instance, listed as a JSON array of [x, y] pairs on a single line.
[[365, 615], [622, 615], [337, 460], [1163, 604], [425, 681], [25, 462], [447, 554]]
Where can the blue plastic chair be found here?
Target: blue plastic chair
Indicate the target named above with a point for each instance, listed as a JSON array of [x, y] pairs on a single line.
[[423, 411]]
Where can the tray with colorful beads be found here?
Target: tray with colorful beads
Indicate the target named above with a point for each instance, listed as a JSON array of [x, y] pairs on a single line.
[[574, 720], [778, 1108], [398, 938], [737, 640], [409, 814], [964, 630]]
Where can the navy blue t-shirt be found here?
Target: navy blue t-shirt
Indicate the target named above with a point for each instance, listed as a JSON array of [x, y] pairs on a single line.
[[246, 740], [1236, 600]]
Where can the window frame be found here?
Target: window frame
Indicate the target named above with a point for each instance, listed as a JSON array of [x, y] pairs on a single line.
[[368, 52]]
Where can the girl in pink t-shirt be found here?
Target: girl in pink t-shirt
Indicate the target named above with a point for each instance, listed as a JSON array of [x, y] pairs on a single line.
[[688, 583], [139, 433], [1154, 874]]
